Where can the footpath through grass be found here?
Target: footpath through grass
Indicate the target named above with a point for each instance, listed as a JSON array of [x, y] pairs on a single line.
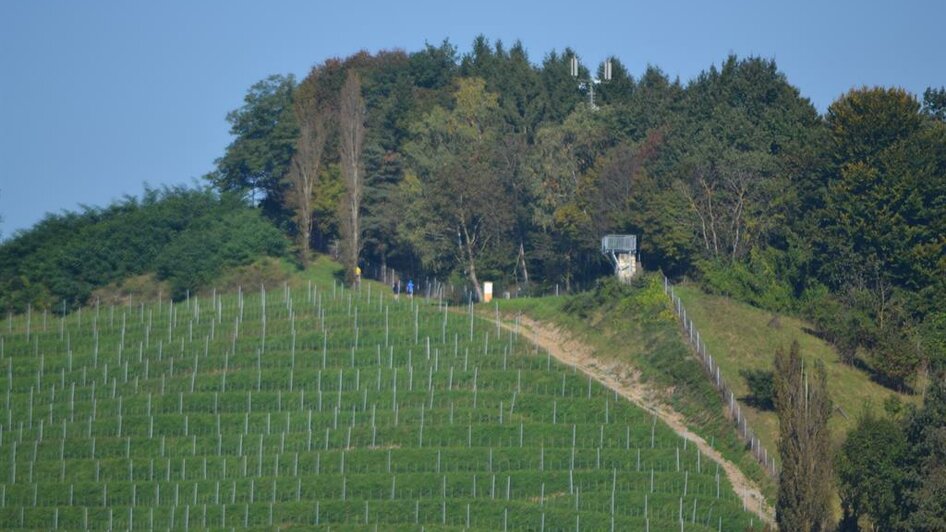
[[636, 325], [306, 404]]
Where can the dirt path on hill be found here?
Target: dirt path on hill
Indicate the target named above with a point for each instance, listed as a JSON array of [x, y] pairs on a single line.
[[625, 380]]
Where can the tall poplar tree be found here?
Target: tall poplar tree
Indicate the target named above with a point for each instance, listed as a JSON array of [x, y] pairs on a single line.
[[303, 176], [351, 123], [803, 406]]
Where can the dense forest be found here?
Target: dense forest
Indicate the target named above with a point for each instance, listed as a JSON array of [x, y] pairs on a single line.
[[489, 166]]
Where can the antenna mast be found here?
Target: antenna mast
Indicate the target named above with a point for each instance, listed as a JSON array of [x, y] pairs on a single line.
[[589, 84]]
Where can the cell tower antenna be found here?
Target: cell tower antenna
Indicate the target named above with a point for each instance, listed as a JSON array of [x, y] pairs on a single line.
[[590, 83]]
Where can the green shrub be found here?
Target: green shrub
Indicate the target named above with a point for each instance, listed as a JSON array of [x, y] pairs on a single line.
[[756, 281], [199, 253], [932, 339], [606, 293], [187, 235], [760, 387]]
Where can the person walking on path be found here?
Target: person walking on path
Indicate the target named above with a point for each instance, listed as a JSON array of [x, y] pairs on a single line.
[[410, 288]]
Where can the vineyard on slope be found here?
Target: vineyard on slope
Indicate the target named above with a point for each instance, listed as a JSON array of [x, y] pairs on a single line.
[[312, 404]]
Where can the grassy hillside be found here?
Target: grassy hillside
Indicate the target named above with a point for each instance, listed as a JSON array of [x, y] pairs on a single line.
[[636, 325], [309, 404], [740, 336]]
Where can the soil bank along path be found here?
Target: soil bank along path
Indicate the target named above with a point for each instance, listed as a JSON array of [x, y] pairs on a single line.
[[623, 379]]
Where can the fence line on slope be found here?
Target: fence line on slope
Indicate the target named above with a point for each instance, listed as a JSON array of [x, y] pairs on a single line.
[[711, 368]]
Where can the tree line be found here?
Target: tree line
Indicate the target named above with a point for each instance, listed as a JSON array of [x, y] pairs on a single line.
[[184, 236], [487, 166]]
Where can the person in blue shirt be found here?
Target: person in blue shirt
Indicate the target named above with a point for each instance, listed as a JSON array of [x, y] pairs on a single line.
[[410, 288]]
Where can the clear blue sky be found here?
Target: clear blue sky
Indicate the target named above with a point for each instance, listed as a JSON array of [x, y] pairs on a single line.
[[98, 98]]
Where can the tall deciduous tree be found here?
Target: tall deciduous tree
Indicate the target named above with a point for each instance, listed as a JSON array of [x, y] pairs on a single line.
[[866, 121], [926, 471], [351, 124], [265, 132], [803, 406], [893, 472], [313, 120], [870, 472], [879, 235], [934, 103], [461, 201], [561, 175], [741, 127]]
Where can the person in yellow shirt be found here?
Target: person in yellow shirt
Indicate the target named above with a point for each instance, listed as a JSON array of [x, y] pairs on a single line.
[[357, 276]]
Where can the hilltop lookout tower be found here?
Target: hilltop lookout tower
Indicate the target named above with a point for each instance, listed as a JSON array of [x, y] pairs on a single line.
[[621, 250]]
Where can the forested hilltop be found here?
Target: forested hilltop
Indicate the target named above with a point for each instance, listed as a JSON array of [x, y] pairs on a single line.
[[488, 166]]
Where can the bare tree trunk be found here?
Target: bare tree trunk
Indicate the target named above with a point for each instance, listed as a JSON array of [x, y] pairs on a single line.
[[525, 268], [352, 133], [709, 191], [476, 284], [305, 232], [739, 184], [384, 265], [471, 261], [736, 226], [699, 213]]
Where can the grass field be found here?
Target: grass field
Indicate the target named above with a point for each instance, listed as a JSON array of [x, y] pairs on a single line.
[[307, 404], [740, 336]]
